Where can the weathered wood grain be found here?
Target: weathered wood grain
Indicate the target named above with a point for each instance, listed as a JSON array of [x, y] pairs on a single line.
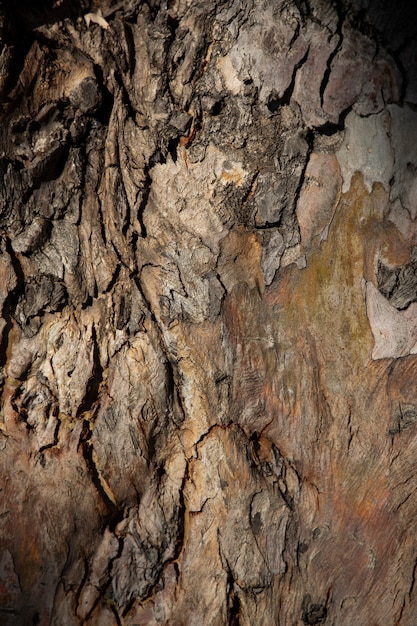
[[208, 294]]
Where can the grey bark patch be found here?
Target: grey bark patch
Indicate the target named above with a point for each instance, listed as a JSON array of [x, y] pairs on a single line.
[[44, 294], [86, 95], [398, 285]]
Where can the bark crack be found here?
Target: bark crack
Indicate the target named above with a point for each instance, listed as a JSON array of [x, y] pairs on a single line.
[[328, 70], [233, 601], [97, 477], [10, 302]]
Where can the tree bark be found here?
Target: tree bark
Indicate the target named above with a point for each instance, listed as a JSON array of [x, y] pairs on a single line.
[[209, 313]]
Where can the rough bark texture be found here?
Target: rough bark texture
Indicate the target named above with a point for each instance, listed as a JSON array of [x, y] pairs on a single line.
[[209, 313]]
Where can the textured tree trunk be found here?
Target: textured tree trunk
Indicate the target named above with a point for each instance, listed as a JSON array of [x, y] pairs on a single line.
[[209, 313]]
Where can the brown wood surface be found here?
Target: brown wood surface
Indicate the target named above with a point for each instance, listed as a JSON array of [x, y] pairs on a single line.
[[208, 292]]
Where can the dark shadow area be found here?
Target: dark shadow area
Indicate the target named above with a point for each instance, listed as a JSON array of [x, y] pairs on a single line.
[[29, 14]]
